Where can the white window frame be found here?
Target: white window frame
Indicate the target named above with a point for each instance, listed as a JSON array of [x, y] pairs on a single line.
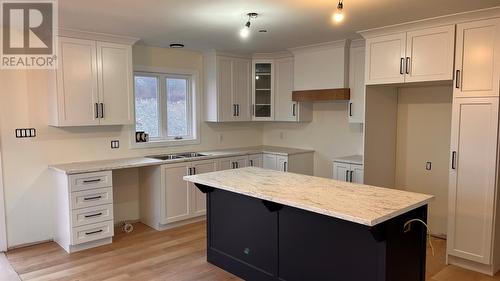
[[192, 103]]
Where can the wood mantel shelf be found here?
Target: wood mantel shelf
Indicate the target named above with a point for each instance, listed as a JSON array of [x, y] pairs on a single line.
[[342, 94]]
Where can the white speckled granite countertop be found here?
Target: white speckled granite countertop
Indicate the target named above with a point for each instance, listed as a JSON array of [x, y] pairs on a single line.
[[124, 163], [363, 204]]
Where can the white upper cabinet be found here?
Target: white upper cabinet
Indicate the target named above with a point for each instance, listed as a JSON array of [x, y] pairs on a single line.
[[93, 84], [356, 110], [385, 57], [227, 88], [285, 109], [114, 62], [415, 56], [430, 54], [477, 61], [263, 90], [76, 97]]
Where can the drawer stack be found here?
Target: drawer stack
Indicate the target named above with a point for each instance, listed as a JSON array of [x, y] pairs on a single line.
[[89, 210]]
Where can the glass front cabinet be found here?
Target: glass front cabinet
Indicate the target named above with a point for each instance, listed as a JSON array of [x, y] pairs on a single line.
[[263, 90]]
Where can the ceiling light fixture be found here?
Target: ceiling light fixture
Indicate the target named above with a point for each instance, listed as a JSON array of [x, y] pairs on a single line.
[[338, 16], [245, 31]]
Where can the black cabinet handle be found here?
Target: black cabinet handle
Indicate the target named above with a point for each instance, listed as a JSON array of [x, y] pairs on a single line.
[[94, 215], [238, 109], [350, 109], [92, 198], [194, 170], [285, 166], [457, 79], [190, 171], [96, 110], [251, 163], [234, 110], [347, 176], [401, 63], [407, 65], [351, 173], [293, 109], [93, 232], [454, 160], [237, 165], [102, 110], [91, 181]]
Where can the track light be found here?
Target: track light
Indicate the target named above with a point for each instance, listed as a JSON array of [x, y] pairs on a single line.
[[245, 31], [338, 16]]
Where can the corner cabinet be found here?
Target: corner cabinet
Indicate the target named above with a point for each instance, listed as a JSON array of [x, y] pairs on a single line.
[[348, 172], [263, 90], [414, 56], [477, 73], [92, 85], [227, 88], [301, 163]]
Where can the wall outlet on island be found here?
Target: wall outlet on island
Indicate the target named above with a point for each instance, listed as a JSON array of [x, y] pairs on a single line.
[[282, 135], [115, 144], [221, 138]]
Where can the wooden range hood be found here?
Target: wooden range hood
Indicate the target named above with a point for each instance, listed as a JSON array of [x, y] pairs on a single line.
[[342, 94]]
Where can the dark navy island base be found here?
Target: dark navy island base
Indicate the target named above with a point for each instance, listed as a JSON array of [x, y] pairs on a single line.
[[260, 240]]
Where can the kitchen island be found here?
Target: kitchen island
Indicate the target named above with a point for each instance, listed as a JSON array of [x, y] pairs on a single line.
[[270, 225]]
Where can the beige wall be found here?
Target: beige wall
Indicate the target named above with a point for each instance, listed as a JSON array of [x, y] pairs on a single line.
[[329, 134], [27, 180], [423, 135]]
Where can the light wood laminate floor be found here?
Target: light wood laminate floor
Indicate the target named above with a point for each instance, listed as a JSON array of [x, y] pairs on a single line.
[[177, 254]]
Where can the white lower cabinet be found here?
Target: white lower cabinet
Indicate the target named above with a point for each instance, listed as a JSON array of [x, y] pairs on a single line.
[[255, 160], [84, 210], [473, 182], [348, 172], [232, 163], [167, 200], [296, 163]]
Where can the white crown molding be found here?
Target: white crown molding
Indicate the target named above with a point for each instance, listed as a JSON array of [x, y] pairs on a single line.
[[73, 33], [275, 55], [358, 43], [321, 46], [489, 13], [214, 52]]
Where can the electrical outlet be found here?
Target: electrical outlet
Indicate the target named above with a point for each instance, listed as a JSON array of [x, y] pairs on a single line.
[[282, 135], [115, 144], [25, 133], [221, 138], [428, 166]]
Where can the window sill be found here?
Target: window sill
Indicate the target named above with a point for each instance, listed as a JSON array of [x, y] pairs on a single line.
[[163, 143]]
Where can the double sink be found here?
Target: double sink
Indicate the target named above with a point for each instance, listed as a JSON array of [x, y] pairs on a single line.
[[177, 156]]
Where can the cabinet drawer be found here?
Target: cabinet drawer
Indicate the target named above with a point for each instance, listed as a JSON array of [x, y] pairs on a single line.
[[90, 198], [90, 181], [92, 232], [91, 215]]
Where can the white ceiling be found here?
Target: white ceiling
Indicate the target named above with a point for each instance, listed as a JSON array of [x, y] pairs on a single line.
[[214, 24]]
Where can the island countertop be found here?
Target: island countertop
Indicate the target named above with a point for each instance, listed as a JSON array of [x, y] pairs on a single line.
[[358, 203]]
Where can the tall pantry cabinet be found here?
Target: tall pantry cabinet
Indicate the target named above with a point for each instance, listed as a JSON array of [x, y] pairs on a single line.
[[474, 147]]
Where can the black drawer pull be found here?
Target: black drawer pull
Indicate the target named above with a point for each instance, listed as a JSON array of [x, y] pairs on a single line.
[[92, 198], [94, 232], [94, 215], [91, 181]]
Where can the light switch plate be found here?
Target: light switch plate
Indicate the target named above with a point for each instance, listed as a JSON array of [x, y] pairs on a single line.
[[428, 166]]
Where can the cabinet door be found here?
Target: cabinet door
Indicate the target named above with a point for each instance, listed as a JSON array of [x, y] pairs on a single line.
[[77, 92], [357, 173], [472, 178], [114, 63], [269, 162], [255, 160], [176, 193], [242, 88], [341, 171], [282, 163], [477, 61], [227, 109], [385, 59], [198, 200], [263, 90], [356, 105], [429, 54], [225, 164], [285, 109]]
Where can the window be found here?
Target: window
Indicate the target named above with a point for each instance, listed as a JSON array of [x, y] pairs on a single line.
[[165, 107]]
